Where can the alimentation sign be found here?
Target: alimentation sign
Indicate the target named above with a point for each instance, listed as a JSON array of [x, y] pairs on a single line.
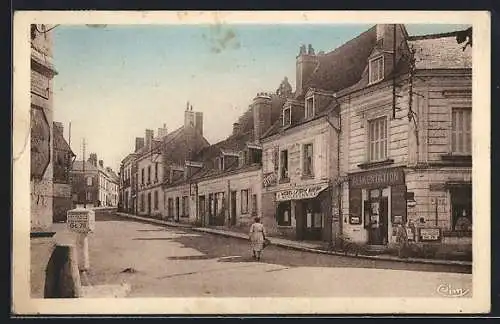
[[378, 178], [300, 193]]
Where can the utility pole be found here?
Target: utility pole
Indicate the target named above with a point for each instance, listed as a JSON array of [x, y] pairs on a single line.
[[84, 178]]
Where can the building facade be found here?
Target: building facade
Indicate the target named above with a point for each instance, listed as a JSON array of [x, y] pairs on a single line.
[[93, 185], [406, 141], [160, 161], [63, 161], [127, 184], [41, 177]]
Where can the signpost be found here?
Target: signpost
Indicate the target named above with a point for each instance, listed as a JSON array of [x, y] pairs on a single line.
[[82, 222]]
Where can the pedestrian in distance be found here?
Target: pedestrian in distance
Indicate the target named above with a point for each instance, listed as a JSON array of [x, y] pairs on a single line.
[[257, 238]]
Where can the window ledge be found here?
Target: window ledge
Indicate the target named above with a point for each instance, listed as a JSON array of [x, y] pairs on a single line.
[[457, 158], [284, 180], [367, 165]]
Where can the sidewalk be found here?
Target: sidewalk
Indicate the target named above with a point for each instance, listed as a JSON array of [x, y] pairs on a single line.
[[296, 245]]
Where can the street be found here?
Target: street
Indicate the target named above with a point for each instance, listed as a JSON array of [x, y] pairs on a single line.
[[169, 262]]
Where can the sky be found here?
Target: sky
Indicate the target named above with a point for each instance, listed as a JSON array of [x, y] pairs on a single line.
[[114, 82]]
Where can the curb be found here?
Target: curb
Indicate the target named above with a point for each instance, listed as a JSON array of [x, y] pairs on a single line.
[[302, 248]]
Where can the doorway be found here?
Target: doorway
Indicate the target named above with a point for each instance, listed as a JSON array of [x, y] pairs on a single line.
[[313, 219], [376, 214], [149, 204], [177, 207], [202, 210], [233, 208]]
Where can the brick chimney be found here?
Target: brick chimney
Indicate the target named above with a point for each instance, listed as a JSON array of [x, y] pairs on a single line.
[[306, 62], [139, 143], [236, 128], [261, 107], [193, 119], [101, 163], [162, 131], [149, 138], [386, 41], [93, 159]]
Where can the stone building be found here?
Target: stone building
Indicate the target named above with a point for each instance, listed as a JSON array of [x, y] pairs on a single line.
[[63, 160], [300, 167], [127, 185], [405, 149], [221, 186], [161, 160], [94, 185], [41, 177]]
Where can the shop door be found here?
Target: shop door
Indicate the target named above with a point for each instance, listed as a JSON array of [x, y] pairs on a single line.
[[313, 220], [233, 208], [202, 209], [378, 220], [149, 203], [177, 209]]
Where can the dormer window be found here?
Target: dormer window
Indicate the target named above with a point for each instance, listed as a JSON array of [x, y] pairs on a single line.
[[287, 116], [309, 111], [376, 69]]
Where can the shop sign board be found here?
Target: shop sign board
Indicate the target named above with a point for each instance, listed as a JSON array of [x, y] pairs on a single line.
[[269, 179], [377, 178], [430, 234], [81, 220], [300, 193]]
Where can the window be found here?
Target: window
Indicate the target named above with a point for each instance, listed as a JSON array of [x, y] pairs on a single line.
[[142, 202], [461, 135], [377, 134], [461, 208], [255, 156], [287, 116], [149, 174], [376, 69], [309, 107], [284, 164], [142, 176], [185, 206], [89, 181], [156, 199], [254, 204], [307, 169], [244, 201], [89, 196], [276, 158], [284, 215], [156, 171]]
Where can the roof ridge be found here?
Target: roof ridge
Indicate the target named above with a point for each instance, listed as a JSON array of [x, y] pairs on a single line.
[[434, 36]]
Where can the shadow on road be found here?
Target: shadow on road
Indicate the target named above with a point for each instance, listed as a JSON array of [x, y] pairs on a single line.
[[217, 247]]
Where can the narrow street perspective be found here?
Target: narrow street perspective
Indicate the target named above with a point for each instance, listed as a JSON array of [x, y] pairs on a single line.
[[254, 160], [160, 261]]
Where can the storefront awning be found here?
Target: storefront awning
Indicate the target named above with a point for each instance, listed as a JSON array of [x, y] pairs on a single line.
[[300, 193]]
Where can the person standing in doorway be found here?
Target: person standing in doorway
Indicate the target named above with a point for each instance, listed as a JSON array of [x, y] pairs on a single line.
[[257, 237]]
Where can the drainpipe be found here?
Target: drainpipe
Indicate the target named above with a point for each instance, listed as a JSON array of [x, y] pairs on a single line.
[[339, 184]]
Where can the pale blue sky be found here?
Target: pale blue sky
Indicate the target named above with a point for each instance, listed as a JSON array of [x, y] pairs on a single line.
[[115, 82]]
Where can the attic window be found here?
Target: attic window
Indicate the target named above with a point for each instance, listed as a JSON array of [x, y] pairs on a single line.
[[376, 69], [309, 111], [287, 116]]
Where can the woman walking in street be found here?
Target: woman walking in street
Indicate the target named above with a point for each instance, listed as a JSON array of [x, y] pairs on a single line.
[[257, 237]]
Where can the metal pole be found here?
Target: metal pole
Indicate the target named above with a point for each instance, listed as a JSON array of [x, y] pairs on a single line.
[[393, 73]]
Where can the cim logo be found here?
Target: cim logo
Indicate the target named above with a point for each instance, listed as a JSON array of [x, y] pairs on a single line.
[[448, 290]]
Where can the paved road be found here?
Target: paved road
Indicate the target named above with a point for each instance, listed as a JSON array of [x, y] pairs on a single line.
[[166, 262]]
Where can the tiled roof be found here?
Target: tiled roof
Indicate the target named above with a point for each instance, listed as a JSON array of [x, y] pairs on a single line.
[[60, 143], [343, 66], [440, 52], [78, 166]]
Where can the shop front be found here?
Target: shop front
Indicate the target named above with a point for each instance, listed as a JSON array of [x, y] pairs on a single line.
[[377, 202], [307, 209]]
